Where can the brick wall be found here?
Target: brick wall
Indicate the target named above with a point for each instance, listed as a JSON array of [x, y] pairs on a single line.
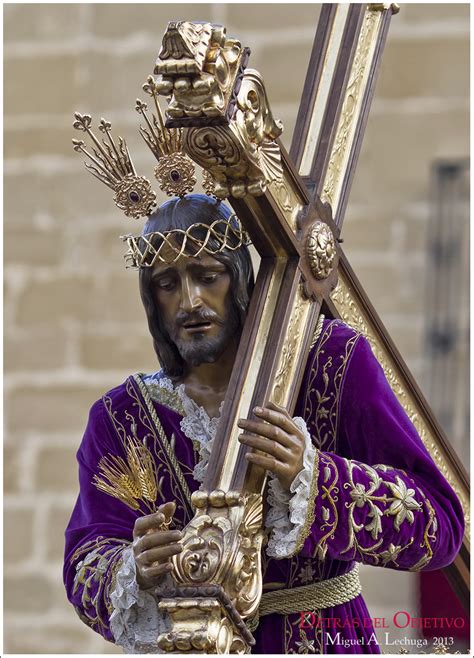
[[74, 326]]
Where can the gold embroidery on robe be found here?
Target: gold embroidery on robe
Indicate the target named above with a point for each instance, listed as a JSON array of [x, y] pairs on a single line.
[[101, 557], [322, 417]]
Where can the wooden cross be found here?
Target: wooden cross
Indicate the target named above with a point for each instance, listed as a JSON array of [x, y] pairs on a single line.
[[310, 149], [293, 208]]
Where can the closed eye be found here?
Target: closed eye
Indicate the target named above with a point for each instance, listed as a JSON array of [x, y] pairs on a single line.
[[209, 278], [165, 284]]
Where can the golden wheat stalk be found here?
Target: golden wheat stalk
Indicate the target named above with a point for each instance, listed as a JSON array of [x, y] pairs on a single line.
[[117, 479], [132, 480], [143, 467], [112, 490]]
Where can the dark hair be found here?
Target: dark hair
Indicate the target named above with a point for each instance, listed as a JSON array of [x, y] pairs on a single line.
[[181, 214]]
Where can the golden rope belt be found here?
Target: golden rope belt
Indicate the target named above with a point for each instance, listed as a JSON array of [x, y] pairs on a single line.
[[324, 594]]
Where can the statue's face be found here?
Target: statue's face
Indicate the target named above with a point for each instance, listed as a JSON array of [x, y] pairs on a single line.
[[194, 299]]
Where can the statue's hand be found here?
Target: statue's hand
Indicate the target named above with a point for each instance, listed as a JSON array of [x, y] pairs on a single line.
[[280, 441], [153, 545]]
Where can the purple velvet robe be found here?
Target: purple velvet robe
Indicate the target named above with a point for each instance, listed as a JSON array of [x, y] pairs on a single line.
[[377, 496]]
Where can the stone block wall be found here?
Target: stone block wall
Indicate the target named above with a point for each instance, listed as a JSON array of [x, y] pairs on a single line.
[[74, 326]]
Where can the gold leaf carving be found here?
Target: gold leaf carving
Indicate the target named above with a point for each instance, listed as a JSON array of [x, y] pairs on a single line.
[[287, 201], [218, 575], [197, 67], [342, 143], [243, 157], [222, 545], [293, 336], [321, 250], [185, 39]]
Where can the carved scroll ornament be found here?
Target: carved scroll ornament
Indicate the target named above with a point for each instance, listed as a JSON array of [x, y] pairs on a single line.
[[243, 157], [221, 558]]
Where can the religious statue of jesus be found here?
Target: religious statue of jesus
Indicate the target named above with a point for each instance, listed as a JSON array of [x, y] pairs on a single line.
[[349, 479]]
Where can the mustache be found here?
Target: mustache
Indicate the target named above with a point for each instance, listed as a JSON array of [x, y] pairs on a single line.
[[202, 315]]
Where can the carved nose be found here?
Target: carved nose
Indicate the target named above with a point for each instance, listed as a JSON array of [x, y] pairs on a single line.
[[190, 299]]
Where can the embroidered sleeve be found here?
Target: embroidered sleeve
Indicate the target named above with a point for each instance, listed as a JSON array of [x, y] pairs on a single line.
[[96, 563], [374, 514], [116, 486], [381, 499], [292, 514]]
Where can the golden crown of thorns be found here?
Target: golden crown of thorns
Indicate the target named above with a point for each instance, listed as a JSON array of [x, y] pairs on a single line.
[[146, 250]]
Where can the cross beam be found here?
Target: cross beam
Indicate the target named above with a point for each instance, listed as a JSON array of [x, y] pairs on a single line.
[[294, 221]]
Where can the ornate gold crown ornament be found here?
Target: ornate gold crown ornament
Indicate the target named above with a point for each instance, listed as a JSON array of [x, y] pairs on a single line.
[[113, 166], [175, 170]]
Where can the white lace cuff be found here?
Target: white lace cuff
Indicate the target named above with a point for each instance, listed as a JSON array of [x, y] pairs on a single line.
[[289, 512], [135, 621]]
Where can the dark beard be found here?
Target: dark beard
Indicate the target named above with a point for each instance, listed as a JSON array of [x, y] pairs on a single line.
[[208, 350]]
